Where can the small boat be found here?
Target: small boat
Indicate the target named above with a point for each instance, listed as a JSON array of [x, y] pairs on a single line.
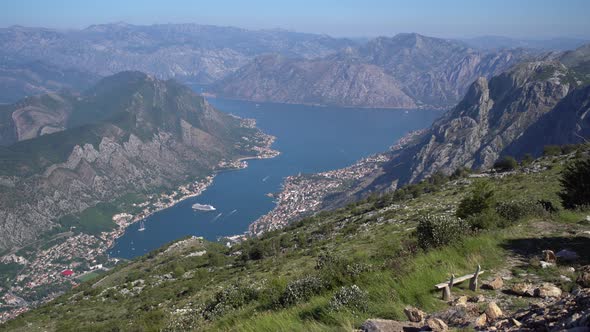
[[141, 226], [265, 178], [203, 207]]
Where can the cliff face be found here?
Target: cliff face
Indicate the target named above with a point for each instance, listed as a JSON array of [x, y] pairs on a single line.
[[326, 82], [517, 112], [130, 133], [406, 71]]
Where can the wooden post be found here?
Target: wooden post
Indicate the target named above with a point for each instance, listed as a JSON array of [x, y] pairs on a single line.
[[473, 280], [446, 295]]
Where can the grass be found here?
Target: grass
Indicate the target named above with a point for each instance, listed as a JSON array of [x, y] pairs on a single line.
[[380, 237]]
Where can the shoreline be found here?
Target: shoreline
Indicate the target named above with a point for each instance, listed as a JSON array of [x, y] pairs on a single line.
[[83, 253]]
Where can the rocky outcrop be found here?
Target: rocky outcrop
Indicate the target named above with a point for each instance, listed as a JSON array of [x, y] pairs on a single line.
[[405, 71], [151, 134], [519, 111]]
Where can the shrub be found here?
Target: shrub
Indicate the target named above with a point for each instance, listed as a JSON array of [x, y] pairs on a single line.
[[505, 164], [575, 181], [488, 219], [480, 199], [515, 210], [301, 290], [337, 271], [349, 297], [436, 231], [227, 299]]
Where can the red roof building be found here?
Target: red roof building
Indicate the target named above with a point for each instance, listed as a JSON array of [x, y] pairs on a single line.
[[67, 273]]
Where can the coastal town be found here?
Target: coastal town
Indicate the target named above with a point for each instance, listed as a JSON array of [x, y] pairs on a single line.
[[303, 195], [69, 258]]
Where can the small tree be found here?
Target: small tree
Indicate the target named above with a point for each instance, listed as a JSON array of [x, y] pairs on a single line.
[[480, 199], [505, 164], [575, 181]]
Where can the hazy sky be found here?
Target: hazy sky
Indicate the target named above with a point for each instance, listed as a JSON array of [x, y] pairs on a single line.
[[450, 18]]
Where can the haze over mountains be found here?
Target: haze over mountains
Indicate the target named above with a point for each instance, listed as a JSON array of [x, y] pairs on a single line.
[[404, 71]]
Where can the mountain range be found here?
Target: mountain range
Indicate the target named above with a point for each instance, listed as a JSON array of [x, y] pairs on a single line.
[[61, 154], [404, 71], [533, 104], [188, 52]]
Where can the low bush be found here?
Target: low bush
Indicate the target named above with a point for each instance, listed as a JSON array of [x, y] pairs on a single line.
[[516, 210], [349, 297], [301, 290], [488, 219], [505, 164], [436, 231], [480, 199], [230, 298]]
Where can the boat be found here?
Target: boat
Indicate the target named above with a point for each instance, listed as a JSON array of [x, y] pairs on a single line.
[[141, 226], [203, 207]]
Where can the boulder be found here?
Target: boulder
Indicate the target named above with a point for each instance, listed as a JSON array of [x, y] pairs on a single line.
[[477, 298], [493, 312], [386, 325], [523, 289], [584, 277], [515, 322], [414, 314], [548, 290], [495, 284], [481, 321], [461, 300], [437, 325]]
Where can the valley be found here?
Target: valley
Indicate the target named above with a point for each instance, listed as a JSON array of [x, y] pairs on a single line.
[[387, 166]]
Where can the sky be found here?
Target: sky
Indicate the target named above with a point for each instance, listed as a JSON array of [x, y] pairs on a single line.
[[341, 18]]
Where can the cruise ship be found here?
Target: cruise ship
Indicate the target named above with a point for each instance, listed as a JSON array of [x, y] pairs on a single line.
[[203, 207]]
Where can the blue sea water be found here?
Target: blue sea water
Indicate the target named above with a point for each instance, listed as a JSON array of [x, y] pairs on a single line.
[[311, 139]]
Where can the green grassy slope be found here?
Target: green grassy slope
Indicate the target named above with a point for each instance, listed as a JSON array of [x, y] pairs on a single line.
[[288, 279]]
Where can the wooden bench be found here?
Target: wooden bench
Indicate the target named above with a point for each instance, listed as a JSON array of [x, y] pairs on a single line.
[[447, 286]]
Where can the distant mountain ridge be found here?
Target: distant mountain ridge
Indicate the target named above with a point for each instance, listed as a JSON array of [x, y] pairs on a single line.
[[188, 52], [21, 79], [129, 133], [404, 71]]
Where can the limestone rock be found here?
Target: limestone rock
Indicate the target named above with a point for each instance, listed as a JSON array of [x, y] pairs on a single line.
[[437, 325], [481, 321], [523, 289], [493, 312], [386, 325], [495, 284], [548, 290], [461, 300], [584, 277], [414, 314]]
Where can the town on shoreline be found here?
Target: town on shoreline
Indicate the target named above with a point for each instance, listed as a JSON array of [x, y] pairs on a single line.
[[57, 267]]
